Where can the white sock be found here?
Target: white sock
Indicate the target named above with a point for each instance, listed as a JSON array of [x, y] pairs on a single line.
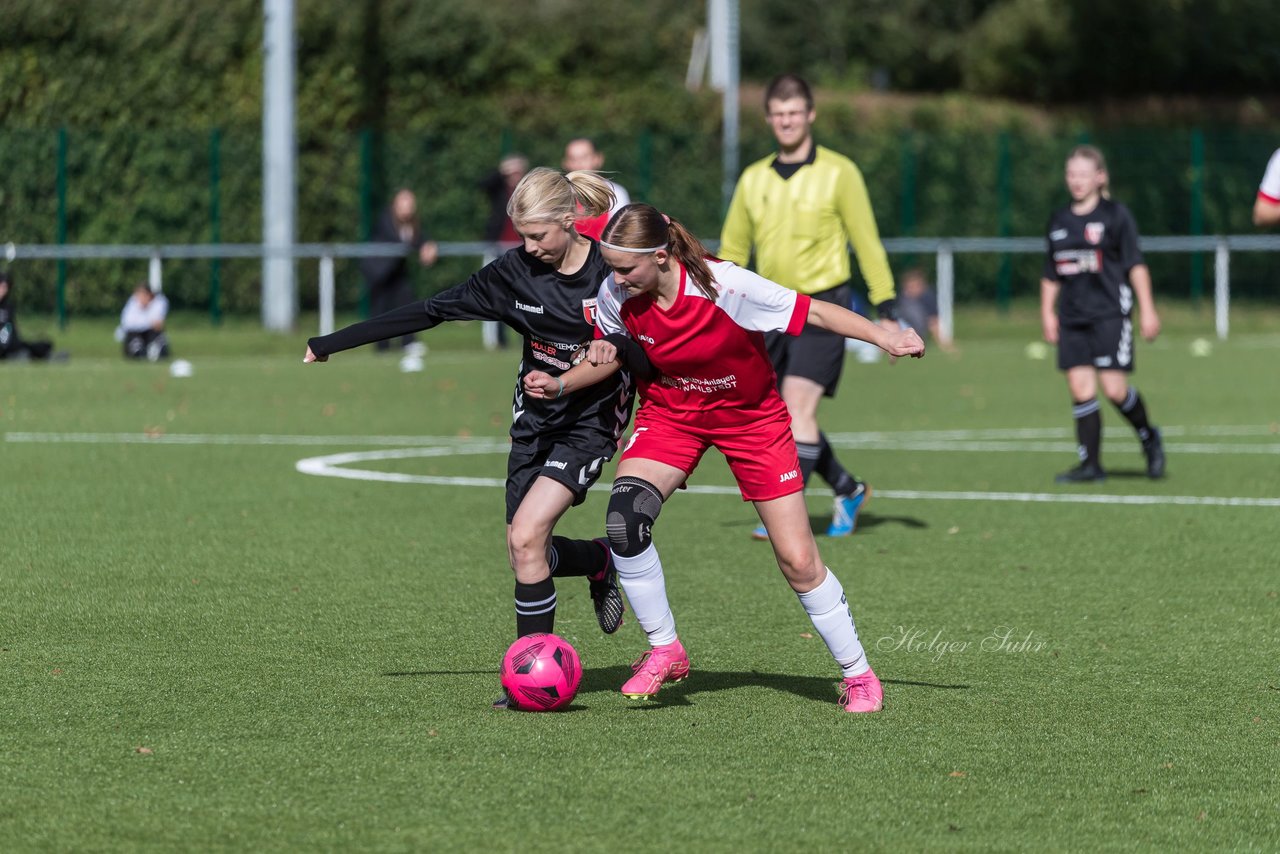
[[646, 589], [829, 610]]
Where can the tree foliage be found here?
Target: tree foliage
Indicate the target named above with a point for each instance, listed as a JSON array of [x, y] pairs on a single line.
[[153, 100]]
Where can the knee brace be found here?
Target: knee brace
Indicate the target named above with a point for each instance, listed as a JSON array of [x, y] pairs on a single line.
[[633, 507]]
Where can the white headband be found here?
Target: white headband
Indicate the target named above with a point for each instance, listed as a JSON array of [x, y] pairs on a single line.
[[617, 248]]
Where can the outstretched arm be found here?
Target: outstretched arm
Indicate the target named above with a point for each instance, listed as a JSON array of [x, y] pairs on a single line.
[[837, 319]]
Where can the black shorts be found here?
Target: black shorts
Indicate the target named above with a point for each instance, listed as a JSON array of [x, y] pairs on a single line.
[[815, 354], [574, 459], [1104, 344]]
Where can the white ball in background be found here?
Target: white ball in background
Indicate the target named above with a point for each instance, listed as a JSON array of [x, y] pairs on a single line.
[[1201, 347], [181, 368], [411, 364], [1037, 350]]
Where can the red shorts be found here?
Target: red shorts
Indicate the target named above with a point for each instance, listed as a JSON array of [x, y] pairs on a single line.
[[762, 455]]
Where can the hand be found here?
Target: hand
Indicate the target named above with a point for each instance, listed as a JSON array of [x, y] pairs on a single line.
[[904, 342], [542, 385], [601, 352], [1150, 324], [312, 357], [892, 326], [428, 253], [1049, 328]]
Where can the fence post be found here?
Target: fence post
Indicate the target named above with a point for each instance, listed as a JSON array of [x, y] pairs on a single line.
[[215, 224], [326, 294], [366, 202], [946, 279], [61, 187], [1197, 214], [1221, 287], [1004, 282], [155, 279]]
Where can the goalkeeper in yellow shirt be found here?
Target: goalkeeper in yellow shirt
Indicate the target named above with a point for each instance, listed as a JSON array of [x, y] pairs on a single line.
[[799, 210]]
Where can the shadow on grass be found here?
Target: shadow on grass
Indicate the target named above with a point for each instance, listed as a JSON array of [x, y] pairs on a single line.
[[818, 523], [821, 688], [493, 671]]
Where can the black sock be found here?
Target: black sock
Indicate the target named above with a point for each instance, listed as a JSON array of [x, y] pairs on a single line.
[[1088, 430], [1135, 410], [830, 470], [575, 557], [535, 607], [808, 452]]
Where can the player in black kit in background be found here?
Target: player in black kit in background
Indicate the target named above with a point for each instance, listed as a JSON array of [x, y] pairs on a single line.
[[1093, 271], [545, 290]]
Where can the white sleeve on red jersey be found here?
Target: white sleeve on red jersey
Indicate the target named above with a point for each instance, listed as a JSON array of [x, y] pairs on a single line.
[[609, 309], [1270, 187], [756, 303]]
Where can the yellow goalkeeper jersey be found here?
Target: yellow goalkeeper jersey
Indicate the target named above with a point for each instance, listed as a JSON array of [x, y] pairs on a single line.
[[801, 227]]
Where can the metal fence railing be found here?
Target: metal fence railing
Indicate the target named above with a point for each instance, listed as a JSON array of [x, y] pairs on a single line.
[[944, 248]]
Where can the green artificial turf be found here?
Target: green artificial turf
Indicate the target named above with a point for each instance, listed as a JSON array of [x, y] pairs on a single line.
[[204, 649]]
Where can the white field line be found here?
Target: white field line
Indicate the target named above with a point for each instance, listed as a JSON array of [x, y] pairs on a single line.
[[334, 465]]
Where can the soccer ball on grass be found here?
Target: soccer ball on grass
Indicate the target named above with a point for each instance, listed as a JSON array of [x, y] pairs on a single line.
[[540, 673]]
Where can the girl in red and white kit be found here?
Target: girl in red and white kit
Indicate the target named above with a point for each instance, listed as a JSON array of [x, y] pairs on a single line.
[[691, 327]]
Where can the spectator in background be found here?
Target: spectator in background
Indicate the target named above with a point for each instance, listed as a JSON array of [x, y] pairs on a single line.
[[918, 307], [500, 230], [1266, 207], [581, 154], [498, 186], [141, 328], [390, 285], [11, 344]]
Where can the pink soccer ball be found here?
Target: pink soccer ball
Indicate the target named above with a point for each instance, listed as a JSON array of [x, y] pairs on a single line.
[[540, 673]]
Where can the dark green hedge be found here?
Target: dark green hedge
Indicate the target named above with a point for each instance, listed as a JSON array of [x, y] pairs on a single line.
[[154, 100]]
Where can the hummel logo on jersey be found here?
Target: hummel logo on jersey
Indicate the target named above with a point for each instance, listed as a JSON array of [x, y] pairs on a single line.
[[556, 464], [532, 309], [1058, 234], [790, 475], [646, 339]]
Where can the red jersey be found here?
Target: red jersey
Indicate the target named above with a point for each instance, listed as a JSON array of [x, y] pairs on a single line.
[[715, 371]]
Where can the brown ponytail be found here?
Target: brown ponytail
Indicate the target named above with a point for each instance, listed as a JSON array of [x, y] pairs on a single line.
[[639, 226]]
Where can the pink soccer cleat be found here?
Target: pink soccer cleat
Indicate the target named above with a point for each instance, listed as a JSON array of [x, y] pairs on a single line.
[[861, 693], [662, 664]]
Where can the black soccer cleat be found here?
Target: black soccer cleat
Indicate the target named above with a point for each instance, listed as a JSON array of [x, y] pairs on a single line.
[[1083, 473], [606, 596], [1153, 447]]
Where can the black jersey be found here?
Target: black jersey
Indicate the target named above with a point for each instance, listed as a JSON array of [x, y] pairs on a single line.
[[1090, 256], [552, 311]]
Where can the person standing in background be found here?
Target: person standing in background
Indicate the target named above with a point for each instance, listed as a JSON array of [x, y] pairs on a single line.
[[390, 283], [798, 210], [1093, 270], [581, 154], [499, 230]]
